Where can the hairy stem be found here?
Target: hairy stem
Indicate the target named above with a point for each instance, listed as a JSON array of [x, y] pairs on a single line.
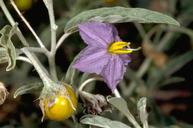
[[28, 25], [39, 67], [81, 87], [12, 22], [53, 26], [61, 40]]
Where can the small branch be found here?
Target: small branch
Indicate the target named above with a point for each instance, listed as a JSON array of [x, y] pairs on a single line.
[[28, 25], [38, 50], [39, 67], [53, 26], [12, 22], [81, 87], [7, 14], [25, 59], [61, 40]]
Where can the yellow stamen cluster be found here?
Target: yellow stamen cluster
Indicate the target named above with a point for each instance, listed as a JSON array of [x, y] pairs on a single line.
[[121, 48]]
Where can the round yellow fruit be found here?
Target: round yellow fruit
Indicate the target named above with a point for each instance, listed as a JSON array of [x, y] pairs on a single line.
[[61, 108], [23, 5]]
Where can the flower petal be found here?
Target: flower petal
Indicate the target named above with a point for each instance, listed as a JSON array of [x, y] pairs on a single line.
[[126, 58], [113, 72], [98, 34], [92, 60]]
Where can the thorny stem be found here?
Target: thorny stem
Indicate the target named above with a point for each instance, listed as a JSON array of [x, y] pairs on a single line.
[[12, 22], [28, 25]]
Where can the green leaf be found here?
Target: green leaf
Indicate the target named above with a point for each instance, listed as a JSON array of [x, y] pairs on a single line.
[[177, 63], [5, 41], [119, 15], [27, 88], [171, 80], [121, 105], [102, 122], [141, 105], [3, 55]]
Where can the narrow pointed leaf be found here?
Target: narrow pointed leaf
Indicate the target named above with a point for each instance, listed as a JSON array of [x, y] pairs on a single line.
[[5, 41], [3, 55], [119, 15], [121, 105], [27, 88], [141, 105], [172, 80], [102, 122]]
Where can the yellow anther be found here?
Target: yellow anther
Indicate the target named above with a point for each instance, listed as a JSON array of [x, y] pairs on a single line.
[[121, 48]]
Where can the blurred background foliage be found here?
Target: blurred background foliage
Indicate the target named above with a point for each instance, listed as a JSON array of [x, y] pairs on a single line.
[[161, 71]]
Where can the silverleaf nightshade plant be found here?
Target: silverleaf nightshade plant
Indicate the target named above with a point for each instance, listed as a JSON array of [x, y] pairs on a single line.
[[106, 54]]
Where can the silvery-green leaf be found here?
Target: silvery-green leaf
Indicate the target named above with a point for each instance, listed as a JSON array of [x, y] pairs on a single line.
[[121, 105], [5, 41], [119, 15], [3, 55], [172, 80], [141, 105], [102, 122], [27, 88]]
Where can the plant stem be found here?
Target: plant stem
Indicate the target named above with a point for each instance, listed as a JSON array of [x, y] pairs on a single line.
[[12, 22], [62, 38], [39, 67], [38, 50], [81, 87], [117, 94], [53, 26], [52, 67], [7, 14], [28, 25], [25, 59]]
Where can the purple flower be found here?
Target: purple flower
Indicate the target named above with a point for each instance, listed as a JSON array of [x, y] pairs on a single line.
[[106, 54]]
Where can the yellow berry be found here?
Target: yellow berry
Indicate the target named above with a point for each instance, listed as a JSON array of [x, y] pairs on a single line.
[[110, 1], [23, 5], [60, 107]]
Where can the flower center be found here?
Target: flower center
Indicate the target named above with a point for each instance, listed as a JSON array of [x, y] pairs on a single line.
[[121, 48]]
